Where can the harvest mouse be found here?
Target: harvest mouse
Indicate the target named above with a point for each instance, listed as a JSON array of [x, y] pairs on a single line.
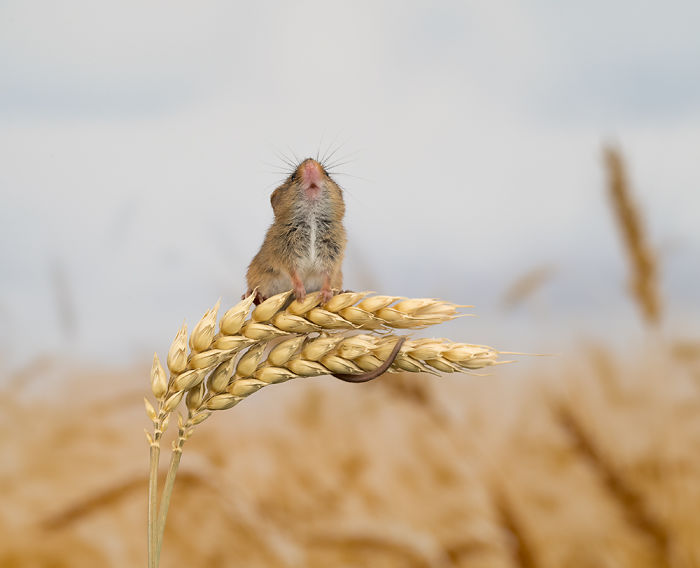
[[303, 248]]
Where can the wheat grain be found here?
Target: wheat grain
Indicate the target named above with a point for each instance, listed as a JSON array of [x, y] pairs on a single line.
[[233, 319], [203, 333], [177, 354], [270, 307], [159, 381]]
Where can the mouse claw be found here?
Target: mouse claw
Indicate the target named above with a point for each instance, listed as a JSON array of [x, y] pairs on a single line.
[[259, 299]]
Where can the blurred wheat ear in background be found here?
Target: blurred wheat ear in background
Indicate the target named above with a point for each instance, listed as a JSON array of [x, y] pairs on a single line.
[[644, 285]]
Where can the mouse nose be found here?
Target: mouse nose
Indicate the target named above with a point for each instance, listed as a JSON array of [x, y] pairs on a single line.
[[311, 173]]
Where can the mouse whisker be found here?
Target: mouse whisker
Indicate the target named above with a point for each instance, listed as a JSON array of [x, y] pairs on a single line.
[[279, 166], [338, 164], [287, 161], [328, 155], [296, 158], [326, 159], [341, 160], [281, 155], [283, 174], [285, 158], [318, 148], [330, 148], [348, 175], [277, 170]]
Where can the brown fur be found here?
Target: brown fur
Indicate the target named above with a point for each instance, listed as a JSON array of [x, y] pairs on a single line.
[[304, 247]]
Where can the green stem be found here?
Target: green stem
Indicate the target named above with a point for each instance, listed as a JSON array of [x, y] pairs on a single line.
[[152, 505], [165, 497]]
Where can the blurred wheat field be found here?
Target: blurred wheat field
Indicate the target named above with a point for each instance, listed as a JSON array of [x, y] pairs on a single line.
[[590, 459], [596, 464]]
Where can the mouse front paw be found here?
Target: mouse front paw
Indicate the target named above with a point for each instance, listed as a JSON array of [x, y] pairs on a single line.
[[299, 292], [326, 294], [298, 287]]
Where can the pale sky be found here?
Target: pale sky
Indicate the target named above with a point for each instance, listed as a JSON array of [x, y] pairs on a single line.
[[141, 140]]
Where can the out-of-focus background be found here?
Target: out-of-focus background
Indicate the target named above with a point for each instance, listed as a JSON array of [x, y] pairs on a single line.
[[140, 144]]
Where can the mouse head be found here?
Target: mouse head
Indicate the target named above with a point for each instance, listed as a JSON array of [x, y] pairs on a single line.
[[308, 183]]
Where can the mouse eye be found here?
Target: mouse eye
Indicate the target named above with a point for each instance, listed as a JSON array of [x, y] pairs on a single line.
[[293, 177]]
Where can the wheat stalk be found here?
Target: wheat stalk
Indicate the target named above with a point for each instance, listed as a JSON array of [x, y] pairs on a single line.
[[281, 341]]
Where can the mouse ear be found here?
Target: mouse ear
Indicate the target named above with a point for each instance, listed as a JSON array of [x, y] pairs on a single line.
[[275, 199]]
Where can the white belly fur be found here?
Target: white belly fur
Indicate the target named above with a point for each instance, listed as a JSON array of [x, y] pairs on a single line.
[[308, 266], [309, 271]]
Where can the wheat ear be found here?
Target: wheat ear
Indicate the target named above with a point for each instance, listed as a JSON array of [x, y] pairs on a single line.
[[281, 341]]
